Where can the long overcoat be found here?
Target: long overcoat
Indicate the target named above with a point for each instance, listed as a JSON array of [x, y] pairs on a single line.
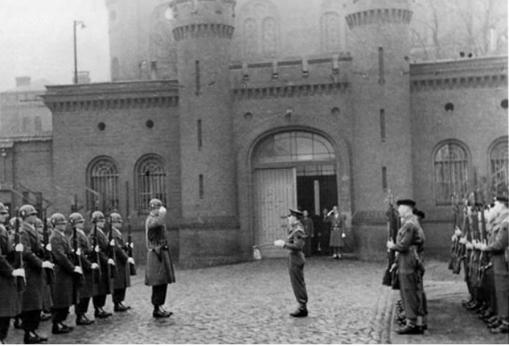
[[86, 288], [406, 245], [497, 246], [64, 270], [159, 270], [105, 283], [337, 228], [10, 302], [122, 277], [32, 257]]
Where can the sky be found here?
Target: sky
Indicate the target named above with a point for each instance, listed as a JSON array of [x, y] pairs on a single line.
[[36, 40]]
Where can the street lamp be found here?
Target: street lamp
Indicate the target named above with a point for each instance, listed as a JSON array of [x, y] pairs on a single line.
[[82, 25]]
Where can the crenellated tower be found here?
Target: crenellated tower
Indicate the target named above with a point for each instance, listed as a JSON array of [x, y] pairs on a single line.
[[203, 32], [382, 148]]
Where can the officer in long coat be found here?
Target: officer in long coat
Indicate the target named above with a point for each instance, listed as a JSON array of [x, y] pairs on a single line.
[[47, 299], [159, 271], [10, 303], [122, 278], [497, 247], [104, 286], [86, 252], [66, 270], [295, 243], [408, 264], [34, 267]]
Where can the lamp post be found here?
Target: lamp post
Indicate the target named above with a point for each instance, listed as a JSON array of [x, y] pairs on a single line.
[[82, 25]]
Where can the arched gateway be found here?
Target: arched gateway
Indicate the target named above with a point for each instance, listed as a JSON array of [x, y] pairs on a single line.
[[291, 169]]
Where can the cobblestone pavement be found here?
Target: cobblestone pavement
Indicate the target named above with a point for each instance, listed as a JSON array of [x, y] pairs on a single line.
[[249, 303], [448, 321]]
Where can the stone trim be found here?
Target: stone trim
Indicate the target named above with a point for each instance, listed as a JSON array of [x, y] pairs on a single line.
[[457, 82], [379, 16], [203, 30], [116, 103], [289, 90]]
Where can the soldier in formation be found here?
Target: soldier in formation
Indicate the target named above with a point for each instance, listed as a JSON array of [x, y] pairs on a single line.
[[57, 268], [479, 246]]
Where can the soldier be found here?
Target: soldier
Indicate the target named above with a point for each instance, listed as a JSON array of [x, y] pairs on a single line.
[[65, 272], [47, 299], [497, 247], [309, 229], [337, 232], [10, 304], [295, 243], [408, 261], [86, 252], [122, 279], [423, 309], [34, 267], [100, 243], [159, 271]]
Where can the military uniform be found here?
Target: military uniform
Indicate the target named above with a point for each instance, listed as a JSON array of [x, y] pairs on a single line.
[[104, 285], [64, 287], [501, 271], [309, 229], [10, 303], [159, 270], [122, 276]]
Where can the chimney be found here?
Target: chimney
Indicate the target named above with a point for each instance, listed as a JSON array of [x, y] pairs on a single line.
[[23, 81]]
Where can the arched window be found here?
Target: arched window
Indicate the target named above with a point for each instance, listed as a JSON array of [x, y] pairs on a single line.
[[102, 185], [150, 181], [499, 164], [451, 172], [293, 146], [115, 69]]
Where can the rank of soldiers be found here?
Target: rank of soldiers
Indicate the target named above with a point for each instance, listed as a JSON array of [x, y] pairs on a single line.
[[480, 246], [48, 265]]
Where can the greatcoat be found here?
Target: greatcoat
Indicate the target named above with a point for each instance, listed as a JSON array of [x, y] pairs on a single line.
[[159, 270]]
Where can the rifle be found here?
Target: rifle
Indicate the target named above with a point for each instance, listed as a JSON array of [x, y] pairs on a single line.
[[18, 255], [484, 259], [454, 243], [392, 229], [111, 249], [78, 278], [129, 245], [47, 255]]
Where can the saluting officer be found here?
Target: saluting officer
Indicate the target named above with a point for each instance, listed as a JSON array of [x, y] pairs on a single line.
[[159, 271], [10, 303], [100, 242], [497, 247], [408, 261], [34, 268], [86, 252], [295, 243], [122, 279], [65, 271]]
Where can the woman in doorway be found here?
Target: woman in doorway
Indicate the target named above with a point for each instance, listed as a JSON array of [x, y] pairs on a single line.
[[337, 232]]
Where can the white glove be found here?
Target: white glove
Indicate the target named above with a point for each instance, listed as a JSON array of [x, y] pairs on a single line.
[[47, 264], [112, 242], [390, 244], [18, 272], [130, 260], [111, 261], [94, 266], [19, 247], [131, 245], [162, 211], [48, 247], [454, 237], [78, 270], [78, 252], [469, 246], [457, 232], [279, 243], [463, 240], [343, 235], [96, 249]]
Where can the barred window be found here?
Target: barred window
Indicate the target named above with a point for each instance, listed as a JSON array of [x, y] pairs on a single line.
[[102, 185], [451, 172], [499, 164], [150, 181]]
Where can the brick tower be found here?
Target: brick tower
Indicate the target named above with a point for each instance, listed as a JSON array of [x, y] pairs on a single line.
[[203, 31], [382, 148]]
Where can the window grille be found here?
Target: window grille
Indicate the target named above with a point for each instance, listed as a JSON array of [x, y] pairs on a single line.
[[150, 182], [451, 172], [103, 185], [499, 164]]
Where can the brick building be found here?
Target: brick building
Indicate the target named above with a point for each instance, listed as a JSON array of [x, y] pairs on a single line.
[[230, 120]]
